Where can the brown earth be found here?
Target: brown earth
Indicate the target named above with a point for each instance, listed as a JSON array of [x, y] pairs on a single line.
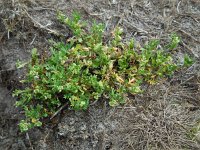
[[160, 118]]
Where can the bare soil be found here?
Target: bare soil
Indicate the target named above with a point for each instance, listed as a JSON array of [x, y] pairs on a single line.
[[161, 118]]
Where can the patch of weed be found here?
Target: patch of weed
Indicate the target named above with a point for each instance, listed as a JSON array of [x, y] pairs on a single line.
[[86, 69]]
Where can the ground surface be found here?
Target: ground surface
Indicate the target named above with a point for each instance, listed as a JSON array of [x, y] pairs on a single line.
[[161, 118]]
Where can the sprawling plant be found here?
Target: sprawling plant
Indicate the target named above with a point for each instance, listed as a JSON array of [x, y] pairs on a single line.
[[85, 68]]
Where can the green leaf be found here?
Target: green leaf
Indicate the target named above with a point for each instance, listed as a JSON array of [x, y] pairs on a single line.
[[175, 40], [187, 61], [24, 126]]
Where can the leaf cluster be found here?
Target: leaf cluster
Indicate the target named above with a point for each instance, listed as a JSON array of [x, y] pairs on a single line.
[[86, 68]]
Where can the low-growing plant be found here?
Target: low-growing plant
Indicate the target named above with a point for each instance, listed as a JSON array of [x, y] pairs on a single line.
[[85, 68], [187, 61], [194, 131]]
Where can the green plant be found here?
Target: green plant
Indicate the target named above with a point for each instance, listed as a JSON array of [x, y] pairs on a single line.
[[194, 131], [86, 69], [175, 40], [187, 61]]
